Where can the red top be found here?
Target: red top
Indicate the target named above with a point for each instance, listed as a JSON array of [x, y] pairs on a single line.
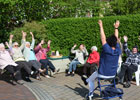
[[94, 57], [43, 56]]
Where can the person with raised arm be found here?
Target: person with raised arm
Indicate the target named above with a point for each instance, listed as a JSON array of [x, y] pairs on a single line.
[[18, 57], [7, 63], [78, 59], [30, 57], [130, 65], [41, 55], [108, 60]]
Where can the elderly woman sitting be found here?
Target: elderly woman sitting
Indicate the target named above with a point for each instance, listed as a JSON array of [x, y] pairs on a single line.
[[79, 58], [92, 61], [30, 57], [8, 64]]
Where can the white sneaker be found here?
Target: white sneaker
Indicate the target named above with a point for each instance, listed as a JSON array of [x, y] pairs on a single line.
[[90, 95], [47, 76], [32, 72], [85, 76]]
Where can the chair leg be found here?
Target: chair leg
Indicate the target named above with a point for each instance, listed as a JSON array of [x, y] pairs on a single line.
[[137, 78], [99, 86]]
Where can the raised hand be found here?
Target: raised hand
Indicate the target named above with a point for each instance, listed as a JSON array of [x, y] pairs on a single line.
[[117, 24], [74, 45], [11, 36], [125, 38], [24, 34], [100, 23], [32, 35], [6, 43], [49, 42], [42, 42]]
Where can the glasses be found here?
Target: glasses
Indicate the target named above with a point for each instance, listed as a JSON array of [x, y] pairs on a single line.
[[16, 45]]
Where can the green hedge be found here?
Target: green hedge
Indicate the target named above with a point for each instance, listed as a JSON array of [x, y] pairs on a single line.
[[66, 32]]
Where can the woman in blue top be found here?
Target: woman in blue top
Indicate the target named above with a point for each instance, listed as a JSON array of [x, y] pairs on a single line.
[[108, 59]]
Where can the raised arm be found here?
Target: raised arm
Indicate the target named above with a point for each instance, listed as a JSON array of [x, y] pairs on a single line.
[[6, 43], [116, 26], [39, 46], [125, 47], [85, 51], [102, 34], [33, 41], [72, 49], [23, 40], [48, 46], [10, 40]]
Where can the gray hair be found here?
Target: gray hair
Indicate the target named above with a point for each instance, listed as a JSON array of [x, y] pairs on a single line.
[[27, 43], [94, 48], [15, 43]]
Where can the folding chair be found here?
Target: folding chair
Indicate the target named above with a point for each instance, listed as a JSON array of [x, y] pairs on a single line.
[[99, 87]]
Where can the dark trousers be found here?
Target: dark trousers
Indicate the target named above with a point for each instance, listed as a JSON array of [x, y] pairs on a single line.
[[45, 63], [35, 64], [25, 65], [91, 67], [14, 69], [127, 72]]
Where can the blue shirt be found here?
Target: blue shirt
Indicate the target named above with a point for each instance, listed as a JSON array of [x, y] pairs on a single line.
[[32, 55], [109, 60]]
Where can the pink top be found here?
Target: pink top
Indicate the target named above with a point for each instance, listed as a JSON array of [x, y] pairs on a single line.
[[41, 53], [5, 59]]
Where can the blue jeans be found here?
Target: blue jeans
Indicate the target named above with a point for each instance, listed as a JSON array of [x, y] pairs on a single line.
[[45, 63], [73, 65]]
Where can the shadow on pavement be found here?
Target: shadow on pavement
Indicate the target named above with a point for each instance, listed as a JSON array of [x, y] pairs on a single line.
[[6, 77], [82, 91]]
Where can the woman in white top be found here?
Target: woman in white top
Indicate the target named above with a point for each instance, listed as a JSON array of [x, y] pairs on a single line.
[[8, 64], [79, 58]]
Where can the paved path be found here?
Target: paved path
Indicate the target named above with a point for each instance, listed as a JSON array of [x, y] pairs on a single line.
[[58, 88], [14, 92], [72, 88]]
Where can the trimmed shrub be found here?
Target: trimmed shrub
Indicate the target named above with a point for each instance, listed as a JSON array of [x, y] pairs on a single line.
[[66, 32]]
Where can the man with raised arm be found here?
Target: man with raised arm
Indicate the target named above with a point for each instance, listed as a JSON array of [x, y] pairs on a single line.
[[131, 64], [108, 60]]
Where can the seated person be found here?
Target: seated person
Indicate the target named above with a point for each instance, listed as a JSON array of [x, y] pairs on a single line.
[[92, 61], [130, 65], [7, 63], [19, 58], [30, 57], [41, 55], [79, 58], [108, 60]]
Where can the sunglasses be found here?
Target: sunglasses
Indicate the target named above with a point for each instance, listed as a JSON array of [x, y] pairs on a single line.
[[16, 45]]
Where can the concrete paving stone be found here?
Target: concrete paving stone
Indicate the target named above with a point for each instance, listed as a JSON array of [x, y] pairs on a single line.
[[62, 88]]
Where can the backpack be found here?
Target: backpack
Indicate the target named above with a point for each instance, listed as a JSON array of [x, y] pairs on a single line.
[[111, 91]]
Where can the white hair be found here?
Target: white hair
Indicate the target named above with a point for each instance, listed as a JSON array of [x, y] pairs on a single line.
[[94, 48], [15, 43], [27, 43]]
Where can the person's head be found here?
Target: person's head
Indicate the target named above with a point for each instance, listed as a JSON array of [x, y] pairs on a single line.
[[112, 41], [94, 48], [27, 44], [81, 47], [135, 49], [15, 45], [2, 47]]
